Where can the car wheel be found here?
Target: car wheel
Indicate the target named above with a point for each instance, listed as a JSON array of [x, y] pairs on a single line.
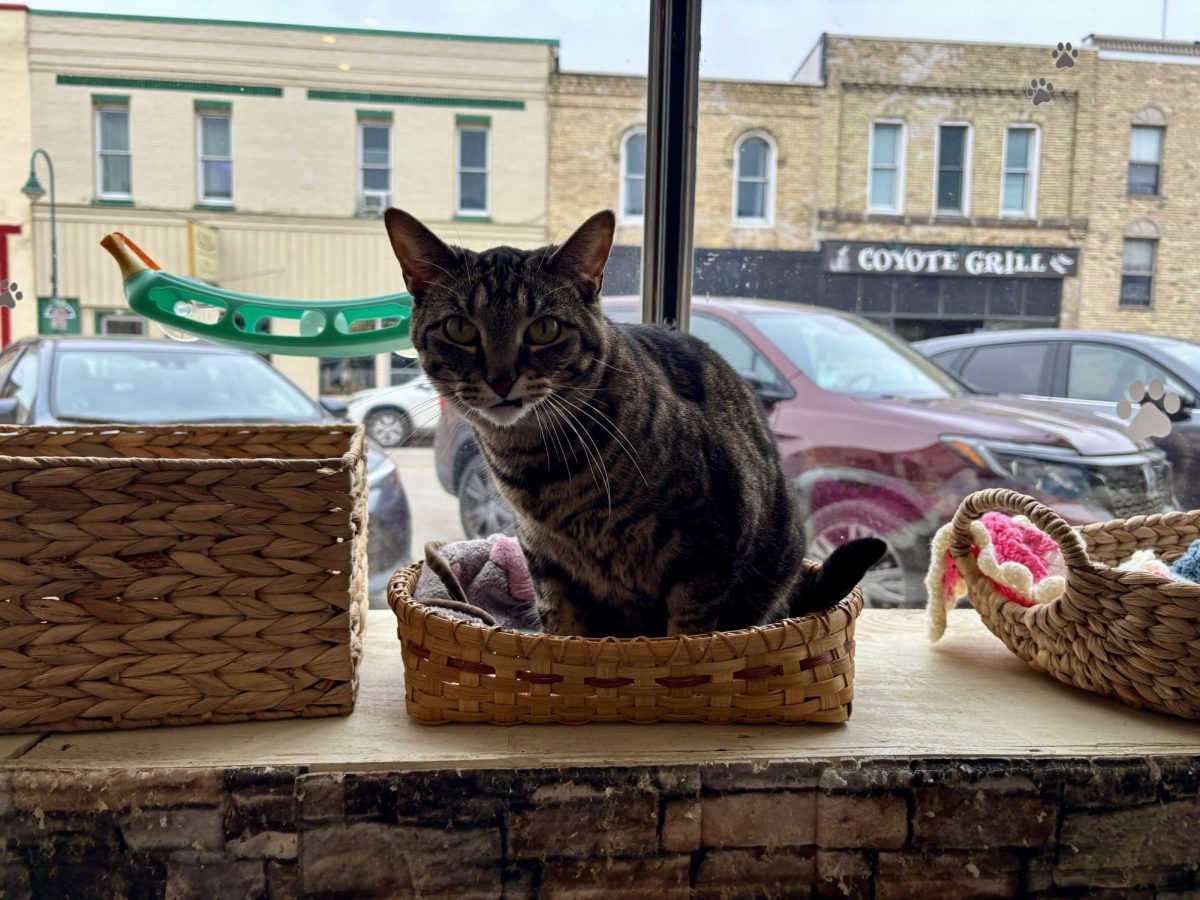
[[481, 509], [388, 427], [894, 580]]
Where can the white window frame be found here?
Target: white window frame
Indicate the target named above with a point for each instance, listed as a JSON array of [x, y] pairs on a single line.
[[1031, 173], [362, 166], [1152, 274], [621, 189], [201, 158], [968, 154], [485, 171], [1158, 163], [767, 220], [101, 152], [901, 153]]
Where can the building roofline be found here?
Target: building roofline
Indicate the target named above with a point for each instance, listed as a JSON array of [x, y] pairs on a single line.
[[13, 7], [1124, 44], [894, 39], [321, 29]]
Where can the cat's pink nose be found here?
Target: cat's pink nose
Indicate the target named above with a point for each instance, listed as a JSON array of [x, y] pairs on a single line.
[[501, 384]]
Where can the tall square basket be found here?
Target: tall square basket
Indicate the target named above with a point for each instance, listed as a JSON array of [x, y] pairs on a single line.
[[179, 574]]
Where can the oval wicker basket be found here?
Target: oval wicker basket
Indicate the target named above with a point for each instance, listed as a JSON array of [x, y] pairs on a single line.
[[794, 671], [1130, 635]]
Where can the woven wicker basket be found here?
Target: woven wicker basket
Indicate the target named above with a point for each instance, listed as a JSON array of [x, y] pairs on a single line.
[[180, 574], [795, 671], [1130, 635]]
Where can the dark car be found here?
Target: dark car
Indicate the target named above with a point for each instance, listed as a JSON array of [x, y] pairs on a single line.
[[876, 439], [1094, 371], [59, 381]]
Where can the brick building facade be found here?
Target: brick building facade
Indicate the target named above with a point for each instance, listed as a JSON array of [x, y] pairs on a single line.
[[1024, 221]]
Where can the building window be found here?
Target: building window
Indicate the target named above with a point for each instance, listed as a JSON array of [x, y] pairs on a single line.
[[953, 169], [886, 166], [1145, 159], [754, 180], [375, 157], [114, 162], [1137, 272], [472, 171], [216, 158], [633, 176], [1018, 196]]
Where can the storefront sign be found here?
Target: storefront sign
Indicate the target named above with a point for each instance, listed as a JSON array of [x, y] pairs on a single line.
[[58, 315], [859, 258]]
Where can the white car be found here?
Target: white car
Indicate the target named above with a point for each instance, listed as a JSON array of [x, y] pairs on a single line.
[[394, 414]]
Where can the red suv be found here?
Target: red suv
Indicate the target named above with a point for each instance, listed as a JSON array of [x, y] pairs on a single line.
[[876, 439]]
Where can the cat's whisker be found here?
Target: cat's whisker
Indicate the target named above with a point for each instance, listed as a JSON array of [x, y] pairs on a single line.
[[584, 437], [565, 417], [611, 366], [538, 417], [561, 452], [623, 441], [456, 293]]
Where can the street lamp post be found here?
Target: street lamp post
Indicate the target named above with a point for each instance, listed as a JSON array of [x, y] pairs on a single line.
[[34, 191]]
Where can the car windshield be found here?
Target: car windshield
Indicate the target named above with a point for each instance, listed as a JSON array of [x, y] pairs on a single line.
[[1183, 352], [848, 357], [147, 386]]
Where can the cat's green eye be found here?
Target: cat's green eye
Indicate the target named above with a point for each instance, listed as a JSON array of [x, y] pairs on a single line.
[[545, 330], [460, 330]]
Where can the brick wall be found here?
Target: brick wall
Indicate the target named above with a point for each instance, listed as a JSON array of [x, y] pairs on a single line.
[[887, 828]]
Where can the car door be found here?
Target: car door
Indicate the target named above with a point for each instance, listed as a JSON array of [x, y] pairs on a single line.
[[1104, 374]]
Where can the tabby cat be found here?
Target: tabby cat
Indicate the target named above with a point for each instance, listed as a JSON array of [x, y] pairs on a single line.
[[646, 485]]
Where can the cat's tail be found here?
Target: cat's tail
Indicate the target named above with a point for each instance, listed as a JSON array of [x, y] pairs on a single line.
[[838, 575]]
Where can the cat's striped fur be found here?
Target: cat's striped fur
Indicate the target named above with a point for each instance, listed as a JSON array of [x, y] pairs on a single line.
[[647, 488]]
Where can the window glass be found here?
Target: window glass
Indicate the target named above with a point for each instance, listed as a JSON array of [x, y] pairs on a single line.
[[472, 170], [753, 179], [735, 348], [115, 165], [1145, 157], [1137, 272], [1007, 369], [1104, 373], [1018, 171], [216, 159], [22, 384], [885, 166], [952, 151], [376, 171], [633, 192]]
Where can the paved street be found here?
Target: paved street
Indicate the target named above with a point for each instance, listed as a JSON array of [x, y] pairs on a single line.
[[434, 512]]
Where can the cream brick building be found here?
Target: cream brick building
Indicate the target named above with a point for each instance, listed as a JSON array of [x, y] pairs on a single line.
[[289, 104]]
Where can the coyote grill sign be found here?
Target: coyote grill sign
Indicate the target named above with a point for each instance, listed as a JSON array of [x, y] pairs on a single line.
[[856, 258]]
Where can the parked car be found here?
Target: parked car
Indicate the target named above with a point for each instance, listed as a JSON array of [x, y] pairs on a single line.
[[60, 381], [876, 439], [394, 414], [1093, 371]]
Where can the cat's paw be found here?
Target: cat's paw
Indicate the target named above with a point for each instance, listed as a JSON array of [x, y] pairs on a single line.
[[1040, 91], [1064, 55], [1151, 421], [9, 295]]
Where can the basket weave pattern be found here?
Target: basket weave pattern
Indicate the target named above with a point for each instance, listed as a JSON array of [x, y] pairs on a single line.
[[799, 670], [179, 574], [1130, 635]]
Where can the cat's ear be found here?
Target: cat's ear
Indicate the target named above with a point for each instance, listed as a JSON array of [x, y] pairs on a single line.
[[582, 257], [424, 258]]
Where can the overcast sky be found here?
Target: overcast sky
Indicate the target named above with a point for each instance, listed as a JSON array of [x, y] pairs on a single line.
[[741, 38]]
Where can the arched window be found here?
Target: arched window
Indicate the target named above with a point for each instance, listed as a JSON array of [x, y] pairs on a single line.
[[633, 175], [754, 180]]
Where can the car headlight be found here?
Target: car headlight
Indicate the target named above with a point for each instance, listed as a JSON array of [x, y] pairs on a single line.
[[1046, 470]]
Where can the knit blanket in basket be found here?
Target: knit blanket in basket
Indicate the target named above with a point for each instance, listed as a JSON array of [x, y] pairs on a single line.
[[494, 577]]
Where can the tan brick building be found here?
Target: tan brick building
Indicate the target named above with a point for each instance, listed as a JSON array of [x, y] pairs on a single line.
[[1011, 212], [287, 140]]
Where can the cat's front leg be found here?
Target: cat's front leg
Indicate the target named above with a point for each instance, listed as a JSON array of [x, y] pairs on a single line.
[[551, 590], [694, 607]]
